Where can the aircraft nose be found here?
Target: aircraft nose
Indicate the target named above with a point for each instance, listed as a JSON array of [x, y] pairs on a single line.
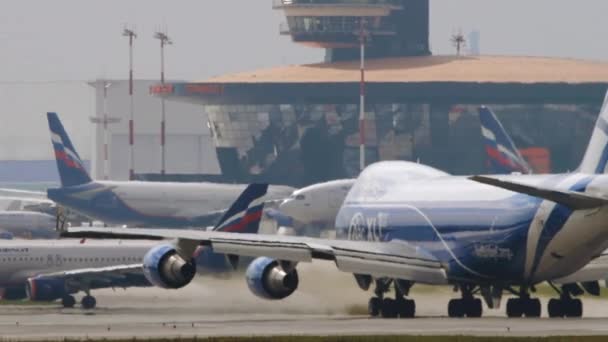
[[293, 208]]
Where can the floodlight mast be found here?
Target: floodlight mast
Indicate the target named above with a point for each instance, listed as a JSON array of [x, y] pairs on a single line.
[[362, 142], [164, 40], [132, 35]]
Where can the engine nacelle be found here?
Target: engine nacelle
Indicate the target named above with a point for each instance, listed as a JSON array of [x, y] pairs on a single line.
[[267, 279], [164, 268], [44, 290]]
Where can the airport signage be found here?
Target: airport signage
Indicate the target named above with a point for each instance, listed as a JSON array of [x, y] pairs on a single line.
[[161, 89], [204, 89]]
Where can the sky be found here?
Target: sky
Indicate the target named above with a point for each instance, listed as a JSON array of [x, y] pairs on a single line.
[[49, 48]]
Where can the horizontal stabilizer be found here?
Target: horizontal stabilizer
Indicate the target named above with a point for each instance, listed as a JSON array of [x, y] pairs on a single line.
[[571, 199]]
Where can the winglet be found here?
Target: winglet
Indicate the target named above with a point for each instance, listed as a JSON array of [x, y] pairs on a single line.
[[245, 214], [570, 198], [71, 168]]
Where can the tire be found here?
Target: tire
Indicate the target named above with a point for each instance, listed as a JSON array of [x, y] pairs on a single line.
[[406, 308], [474, 308], [514, 308], [574, 308], [89, 302], [456, 308], [68, 301], [554, 308], [389, 308], [533, 308], [373, 306]]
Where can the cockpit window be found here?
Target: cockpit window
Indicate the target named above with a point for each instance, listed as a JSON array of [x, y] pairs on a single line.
[[300, 197]]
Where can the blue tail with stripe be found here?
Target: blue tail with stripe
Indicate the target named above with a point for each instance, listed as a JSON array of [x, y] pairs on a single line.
[[596, 156], [245, 214], [71, 168], [503, 156]]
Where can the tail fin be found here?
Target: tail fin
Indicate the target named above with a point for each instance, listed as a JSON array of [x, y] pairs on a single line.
[[245, 214], [70, 166], [596, 156], [503, 156]]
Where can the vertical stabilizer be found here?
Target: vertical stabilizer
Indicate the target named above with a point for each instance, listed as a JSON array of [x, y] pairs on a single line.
[[71, 168], [596, 156], [245, 214], [503, 155]]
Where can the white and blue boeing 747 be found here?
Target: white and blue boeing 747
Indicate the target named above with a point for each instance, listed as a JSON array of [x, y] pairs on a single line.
[[403, 224]]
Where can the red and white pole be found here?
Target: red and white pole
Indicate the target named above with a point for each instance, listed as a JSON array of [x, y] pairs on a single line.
[[132, 112], [132, 35], [362, 97], [162, 104], [106, 162]]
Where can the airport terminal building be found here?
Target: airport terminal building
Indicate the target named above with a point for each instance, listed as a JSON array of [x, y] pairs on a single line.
[[298, 125]]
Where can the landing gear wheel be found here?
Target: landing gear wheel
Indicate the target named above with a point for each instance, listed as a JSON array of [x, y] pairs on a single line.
[[574, 308], [473, 308], [514, 308], [68, 301], [555, 308], [456, 308], [389, 308], [406, 308], [88, 302], [374, 306], [532, 308]]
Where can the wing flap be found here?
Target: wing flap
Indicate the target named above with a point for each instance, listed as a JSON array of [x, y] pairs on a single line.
[[572, 199], [101, 277], [381, 268], [272, 250]]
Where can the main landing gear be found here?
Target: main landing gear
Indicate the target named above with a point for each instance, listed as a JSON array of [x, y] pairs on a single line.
[[389, 307], [565, 305], [88, 302], [468, 305], [523, 306]]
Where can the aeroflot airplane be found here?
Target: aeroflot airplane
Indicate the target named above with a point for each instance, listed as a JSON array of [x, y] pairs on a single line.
[[403, 224], [151, 204], [51, 270], [318, 205]]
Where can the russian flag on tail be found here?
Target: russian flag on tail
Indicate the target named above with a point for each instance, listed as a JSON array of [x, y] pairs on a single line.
[[71, 168], [503, 156], [245, 214]]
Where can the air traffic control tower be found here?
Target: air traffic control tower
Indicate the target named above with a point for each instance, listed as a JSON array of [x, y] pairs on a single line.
[[298, 124], [394, 27]]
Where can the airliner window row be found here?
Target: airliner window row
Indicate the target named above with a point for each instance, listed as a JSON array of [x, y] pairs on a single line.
[[64, 259]]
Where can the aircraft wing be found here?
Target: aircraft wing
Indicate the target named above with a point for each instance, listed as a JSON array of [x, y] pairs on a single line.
[[595, 270], [572, 199], [122, 276], [395, 259]]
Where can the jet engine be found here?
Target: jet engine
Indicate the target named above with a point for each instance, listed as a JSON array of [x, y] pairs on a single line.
[[164, 268], [44, 290], [268, 279]]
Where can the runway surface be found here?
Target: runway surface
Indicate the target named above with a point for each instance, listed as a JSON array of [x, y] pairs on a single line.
[[220, 307]]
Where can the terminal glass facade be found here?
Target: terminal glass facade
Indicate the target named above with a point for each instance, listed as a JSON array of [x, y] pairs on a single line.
[[305, 144]]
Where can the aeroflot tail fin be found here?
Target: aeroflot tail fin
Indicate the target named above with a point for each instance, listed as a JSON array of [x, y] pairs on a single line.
[[596, 156], [70, 166], [245, 214], [570, 198], [503, 156]]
